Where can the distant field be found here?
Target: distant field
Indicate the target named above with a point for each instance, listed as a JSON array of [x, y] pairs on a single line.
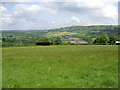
[[80, 66]]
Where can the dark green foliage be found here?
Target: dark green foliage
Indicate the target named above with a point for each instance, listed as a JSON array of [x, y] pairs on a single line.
[[102, 39], [8, 39], [56, 40], [44, 41], [113, 39], [49, 41]]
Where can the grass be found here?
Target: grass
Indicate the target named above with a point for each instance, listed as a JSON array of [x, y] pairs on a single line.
[[56, 34], [80, 66]]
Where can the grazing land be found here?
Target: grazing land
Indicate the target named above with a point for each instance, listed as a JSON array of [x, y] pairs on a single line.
[[74, 66]]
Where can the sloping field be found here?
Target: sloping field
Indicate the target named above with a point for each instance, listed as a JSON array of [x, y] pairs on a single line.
[[80, 66]]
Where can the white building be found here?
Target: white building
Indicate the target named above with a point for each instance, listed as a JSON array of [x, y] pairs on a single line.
[[117, 42]]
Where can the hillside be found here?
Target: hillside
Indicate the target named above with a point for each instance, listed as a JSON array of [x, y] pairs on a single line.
[[83, 33]]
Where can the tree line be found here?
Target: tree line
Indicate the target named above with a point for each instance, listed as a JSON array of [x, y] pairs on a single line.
[[104, 39], [49, 41]]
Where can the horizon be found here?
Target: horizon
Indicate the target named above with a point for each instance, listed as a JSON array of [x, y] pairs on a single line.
[[52, 29]]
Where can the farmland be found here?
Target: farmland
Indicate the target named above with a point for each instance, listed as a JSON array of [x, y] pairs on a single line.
[[82, 33], [71, 66]]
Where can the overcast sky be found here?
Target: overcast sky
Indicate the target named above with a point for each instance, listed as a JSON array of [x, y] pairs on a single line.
[[20, 15]]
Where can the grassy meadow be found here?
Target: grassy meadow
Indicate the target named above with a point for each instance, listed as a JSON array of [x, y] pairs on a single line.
[[71, 66]]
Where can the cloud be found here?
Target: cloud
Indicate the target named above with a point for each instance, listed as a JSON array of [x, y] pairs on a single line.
[[96, 10], [35, 9], [4, 17], [31, 11], [25, 16], [2, 9], [75, 19], [92, 10], [53, 22], [59, 1], [80, 12], [18, 0]]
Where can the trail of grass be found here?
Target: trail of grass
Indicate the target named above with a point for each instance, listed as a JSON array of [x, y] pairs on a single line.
[[80, 66]]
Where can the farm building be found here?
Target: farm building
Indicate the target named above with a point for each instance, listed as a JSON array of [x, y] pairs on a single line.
[[117, 42]]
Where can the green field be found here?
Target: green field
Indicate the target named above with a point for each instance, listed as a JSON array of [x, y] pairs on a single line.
[[77, 66]]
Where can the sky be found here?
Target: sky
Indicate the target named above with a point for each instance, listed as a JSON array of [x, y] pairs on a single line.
[[49, 14]]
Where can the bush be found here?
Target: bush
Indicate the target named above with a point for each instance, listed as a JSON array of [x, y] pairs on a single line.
[[102, 39], [44, 41]]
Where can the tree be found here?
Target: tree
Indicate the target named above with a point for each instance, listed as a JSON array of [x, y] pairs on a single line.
[[49, 41], [113, 39], [44, 41], [56, 40], [102, 39]]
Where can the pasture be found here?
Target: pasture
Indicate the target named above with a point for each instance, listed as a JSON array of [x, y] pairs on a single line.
[[71, 66]]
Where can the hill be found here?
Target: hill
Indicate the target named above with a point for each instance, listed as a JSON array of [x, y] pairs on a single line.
[[83, 33]]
